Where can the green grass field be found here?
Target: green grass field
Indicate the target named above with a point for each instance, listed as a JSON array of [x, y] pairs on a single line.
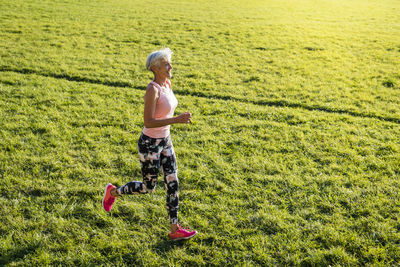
[[293, 156]]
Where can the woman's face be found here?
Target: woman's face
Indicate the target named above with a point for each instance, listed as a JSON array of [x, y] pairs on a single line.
[[164, 68]]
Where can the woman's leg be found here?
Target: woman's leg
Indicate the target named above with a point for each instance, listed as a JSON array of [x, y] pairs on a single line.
[[149, 155], [170, 170]]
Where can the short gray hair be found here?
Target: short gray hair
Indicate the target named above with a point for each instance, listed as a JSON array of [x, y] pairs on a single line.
[[156, 56]]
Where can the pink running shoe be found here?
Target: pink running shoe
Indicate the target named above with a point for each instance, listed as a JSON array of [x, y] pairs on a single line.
[[108, 199], [182, 234]]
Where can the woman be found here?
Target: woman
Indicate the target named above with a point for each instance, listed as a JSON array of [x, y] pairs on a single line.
[[155, 146]]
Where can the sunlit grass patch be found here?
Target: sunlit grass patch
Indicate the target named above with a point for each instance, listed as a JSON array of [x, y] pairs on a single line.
[[292, 156]]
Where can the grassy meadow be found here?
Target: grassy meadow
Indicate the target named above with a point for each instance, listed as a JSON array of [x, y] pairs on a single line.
[[292, 157]]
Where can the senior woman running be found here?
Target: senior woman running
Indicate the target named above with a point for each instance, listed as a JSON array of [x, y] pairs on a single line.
[[155, 146]]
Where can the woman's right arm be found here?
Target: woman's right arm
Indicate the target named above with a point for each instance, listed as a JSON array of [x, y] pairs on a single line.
[[150, 101]]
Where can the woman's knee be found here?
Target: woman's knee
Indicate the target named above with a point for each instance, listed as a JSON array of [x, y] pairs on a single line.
[[146, 190], [149, 182]]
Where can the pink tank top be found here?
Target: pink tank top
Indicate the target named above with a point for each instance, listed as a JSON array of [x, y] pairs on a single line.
[[165, 108]]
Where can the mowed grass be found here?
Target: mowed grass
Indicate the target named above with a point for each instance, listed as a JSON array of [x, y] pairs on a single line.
[[333, 55], [292, 157]]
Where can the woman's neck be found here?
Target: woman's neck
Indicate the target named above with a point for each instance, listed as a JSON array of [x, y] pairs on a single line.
[[160, 81]]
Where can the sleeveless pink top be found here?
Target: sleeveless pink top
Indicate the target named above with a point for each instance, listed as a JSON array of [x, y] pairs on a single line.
[[165, 108]]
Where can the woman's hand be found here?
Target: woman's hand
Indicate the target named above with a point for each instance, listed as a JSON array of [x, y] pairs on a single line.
[[184, 117]]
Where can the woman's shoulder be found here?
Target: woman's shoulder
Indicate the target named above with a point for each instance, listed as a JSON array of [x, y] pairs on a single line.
[[152, 89]]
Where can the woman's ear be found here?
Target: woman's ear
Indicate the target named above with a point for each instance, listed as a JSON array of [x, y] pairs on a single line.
[[154, 68]]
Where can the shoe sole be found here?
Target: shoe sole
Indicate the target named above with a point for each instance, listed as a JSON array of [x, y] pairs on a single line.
[[184, 238], [105, 193]]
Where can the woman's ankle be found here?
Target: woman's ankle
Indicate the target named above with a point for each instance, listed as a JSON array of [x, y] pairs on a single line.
[[174, 228], [114, 192]]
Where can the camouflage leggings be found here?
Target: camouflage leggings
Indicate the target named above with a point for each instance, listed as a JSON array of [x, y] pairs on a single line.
[[153, 154]]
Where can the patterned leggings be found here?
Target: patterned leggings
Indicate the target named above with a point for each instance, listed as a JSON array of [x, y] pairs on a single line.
[[153, 154]]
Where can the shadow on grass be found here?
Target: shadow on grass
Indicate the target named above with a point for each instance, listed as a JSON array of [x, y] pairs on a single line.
[[261, 102], [71, 77], [161, 249], [284, 103], [8, 257], [166, 245]]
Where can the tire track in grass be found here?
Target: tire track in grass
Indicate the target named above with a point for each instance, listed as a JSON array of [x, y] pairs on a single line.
[[261, 102]]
